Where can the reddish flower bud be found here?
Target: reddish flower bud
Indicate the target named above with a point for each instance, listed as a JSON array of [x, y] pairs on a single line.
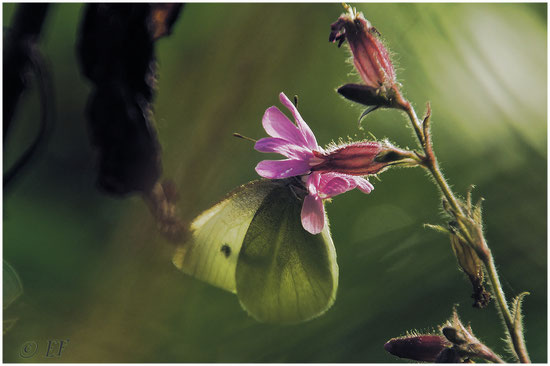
[[370, 57], [361, 158], [425, 347]]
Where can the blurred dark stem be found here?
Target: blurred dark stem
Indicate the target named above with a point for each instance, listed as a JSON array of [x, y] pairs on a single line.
[[22, 57], [20, 40], [44, 83]]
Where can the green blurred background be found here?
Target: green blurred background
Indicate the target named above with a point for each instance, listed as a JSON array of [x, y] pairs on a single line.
[[96, 271]]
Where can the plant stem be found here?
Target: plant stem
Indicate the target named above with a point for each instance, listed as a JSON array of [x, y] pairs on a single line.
[[433, 166], [407, 107], [516, 335]]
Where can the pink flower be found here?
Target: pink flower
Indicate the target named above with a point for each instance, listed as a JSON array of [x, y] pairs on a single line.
[[298, 144]]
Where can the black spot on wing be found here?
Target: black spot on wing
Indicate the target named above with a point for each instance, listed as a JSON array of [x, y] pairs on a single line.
[[226, 250]]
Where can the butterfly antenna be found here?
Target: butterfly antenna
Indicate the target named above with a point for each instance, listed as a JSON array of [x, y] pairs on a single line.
[[235, 134], [293, 189]]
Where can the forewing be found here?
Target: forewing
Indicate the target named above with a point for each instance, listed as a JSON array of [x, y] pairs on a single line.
[[217, 236], [285, 274]]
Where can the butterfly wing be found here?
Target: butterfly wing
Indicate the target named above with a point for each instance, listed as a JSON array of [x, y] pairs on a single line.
[[217, 236], [285, 274]]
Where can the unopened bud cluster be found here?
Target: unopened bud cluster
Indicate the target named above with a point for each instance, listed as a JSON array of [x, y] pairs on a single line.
[[455, 344]]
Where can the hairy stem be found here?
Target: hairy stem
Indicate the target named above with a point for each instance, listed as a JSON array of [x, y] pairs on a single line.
[[407, 107], [432, 164], [516, 334]]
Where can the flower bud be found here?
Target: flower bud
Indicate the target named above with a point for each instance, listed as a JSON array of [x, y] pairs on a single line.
[[361, 158], [470, 263], [363, 94], [370, 57], [453, 335], [426, 347]]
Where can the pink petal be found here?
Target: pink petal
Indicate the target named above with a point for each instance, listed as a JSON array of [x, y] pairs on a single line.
[[331, 185], [326, 177], [364, 185], [313, 182], [278, 169], [306, 132], [313, 214], [334, 186], [276, 124], [283, 147]]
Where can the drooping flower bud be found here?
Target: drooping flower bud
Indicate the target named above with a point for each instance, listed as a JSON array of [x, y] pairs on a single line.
[[370, 57], [372, 61], [425, 347], [362, 158]]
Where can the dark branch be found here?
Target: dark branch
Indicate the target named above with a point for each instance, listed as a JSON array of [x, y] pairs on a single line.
[[116, 50]]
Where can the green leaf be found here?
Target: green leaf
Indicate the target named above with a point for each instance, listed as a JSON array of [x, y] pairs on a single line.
[[252, 243], [437, 228], [12, 287], [285, 274], [516, 312]]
